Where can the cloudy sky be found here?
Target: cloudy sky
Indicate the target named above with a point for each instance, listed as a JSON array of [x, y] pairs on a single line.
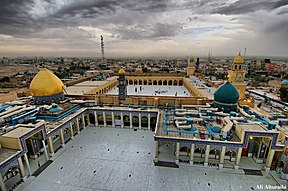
[[143, 28]]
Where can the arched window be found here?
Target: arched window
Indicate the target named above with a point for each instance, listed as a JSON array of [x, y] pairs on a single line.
[[215, 153], [135, 121], [126, 120], [144, 121], [92, 118], [160, 82]]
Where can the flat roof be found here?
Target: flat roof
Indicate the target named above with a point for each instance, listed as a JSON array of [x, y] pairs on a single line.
[[18, 132], [252, 127], [83, 87], [201, 87], [51, 125], [78, 90], [6, 153], [91, 83]]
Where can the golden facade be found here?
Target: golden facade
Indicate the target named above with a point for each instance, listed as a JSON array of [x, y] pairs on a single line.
[[237, 74]]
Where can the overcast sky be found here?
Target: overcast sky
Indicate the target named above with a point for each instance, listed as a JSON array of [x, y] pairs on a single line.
[[143, 27]]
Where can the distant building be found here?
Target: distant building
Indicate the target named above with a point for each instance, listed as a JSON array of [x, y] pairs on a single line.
[[275, 85]]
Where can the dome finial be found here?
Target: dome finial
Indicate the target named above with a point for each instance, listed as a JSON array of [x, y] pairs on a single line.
[[238, 59], [121, 71]]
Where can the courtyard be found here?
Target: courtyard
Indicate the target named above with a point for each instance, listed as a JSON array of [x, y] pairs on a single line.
[[154, 90], [122, 159]]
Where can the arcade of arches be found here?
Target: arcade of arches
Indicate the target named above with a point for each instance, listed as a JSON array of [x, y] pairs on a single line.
[[202, 154], [151, 80]]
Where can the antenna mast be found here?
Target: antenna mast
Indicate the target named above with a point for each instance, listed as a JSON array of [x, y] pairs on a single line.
[[102, 48], [245, 63]]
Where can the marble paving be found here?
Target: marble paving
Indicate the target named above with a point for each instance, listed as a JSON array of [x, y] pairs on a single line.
[[154, 90], [122, 159]]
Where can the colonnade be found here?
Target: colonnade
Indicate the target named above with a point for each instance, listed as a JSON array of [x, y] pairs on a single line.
[[207, 155], [61, 133], [72, 127], [139, 116], [154, 81]]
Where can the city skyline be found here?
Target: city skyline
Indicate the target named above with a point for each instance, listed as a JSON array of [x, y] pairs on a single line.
[[143, 29]]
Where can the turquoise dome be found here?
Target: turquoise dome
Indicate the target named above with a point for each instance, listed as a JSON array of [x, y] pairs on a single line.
[[216, 129], [285, 82], [226, 93]]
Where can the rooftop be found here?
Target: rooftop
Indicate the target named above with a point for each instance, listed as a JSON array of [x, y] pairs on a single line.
[[86, 86], [6, 153], [253, 127], [116, 159], [17, 132], [206, 123]]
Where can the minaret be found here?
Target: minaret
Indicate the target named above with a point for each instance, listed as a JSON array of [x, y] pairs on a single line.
[[237, 74], [191, 66], [122, 88], [209, 56], [197, 65]]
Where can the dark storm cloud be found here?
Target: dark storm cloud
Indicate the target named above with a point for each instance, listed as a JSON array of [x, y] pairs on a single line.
[[13, 12], [17, 20], [88, 9], [67, 21], [138, 32], [14, 18], [147, 6], [247, 6]]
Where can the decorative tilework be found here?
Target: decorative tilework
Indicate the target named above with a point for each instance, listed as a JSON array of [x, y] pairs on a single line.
[[200, 146], [213, 147], [13, 164]]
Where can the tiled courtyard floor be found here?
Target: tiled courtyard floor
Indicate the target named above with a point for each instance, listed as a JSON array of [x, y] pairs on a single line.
[[122, 159]]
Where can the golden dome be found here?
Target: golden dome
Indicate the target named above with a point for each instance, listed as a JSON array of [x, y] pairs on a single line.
[[45, 83], [238, 59], [121, 71]]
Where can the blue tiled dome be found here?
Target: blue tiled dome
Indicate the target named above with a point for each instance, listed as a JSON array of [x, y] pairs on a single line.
[[285, 82], [226, 93]]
